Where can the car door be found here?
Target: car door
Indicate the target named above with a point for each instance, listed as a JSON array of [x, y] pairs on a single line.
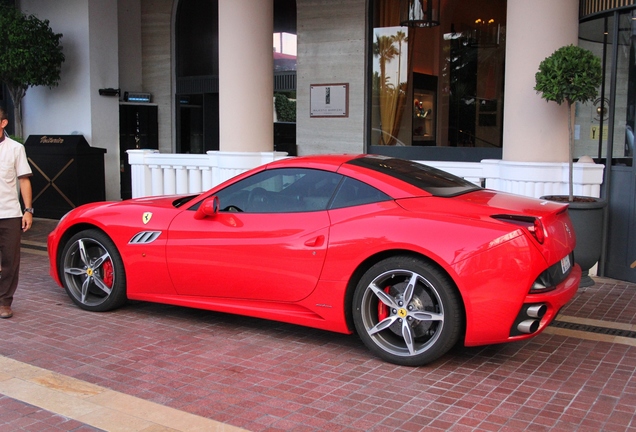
[[268, 241]]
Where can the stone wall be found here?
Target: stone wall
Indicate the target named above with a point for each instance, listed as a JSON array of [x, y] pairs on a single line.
[[331, 49], [156, 42]]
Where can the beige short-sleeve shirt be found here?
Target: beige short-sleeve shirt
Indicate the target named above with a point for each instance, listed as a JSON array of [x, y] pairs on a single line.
[[13, 164]]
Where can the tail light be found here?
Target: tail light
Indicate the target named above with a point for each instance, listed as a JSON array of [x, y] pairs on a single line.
[[537, 230], [532, 224]]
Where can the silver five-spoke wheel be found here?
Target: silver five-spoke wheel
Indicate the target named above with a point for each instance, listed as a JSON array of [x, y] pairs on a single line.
[[407, 311], [92, 271]]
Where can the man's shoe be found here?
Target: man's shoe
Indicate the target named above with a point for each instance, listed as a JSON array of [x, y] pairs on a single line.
[[5, 312]]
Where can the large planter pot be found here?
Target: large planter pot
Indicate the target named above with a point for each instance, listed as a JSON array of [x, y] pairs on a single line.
[[587, 217]]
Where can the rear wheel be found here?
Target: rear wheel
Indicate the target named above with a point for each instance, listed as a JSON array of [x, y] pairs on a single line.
[[92, 272], [407, 311]]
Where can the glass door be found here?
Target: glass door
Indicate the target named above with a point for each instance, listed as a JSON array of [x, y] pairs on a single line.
[[605, 130]]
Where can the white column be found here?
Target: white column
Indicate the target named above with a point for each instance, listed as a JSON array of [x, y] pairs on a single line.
[[169, 180], [157, 179], [141, 174], [206, 178], [535, 130], [194, 179], [246, 75], [181, 179]]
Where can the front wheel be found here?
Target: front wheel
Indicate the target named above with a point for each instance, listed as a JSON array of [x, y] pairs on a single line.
[[92, 272], [407, 311]]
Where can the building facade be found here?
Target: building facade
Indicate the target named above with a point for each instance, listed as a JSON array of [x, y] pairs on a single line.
[[461, 90]]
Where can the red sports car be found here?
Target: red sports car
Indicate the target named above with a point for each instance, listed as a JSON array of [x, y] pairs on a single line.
[[411, 258]]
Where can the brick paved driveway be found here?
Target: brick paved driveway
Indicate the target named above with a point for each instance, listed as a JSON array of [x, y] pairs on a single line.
[[268, 376]]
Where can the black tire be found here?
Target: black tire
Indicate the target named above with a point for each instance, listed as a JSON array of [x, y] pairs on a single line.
[[92, 272], [407, 311]]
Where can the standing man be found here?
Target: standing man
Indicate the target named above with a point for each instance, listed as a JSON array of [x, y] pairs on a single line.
[[14, 170]]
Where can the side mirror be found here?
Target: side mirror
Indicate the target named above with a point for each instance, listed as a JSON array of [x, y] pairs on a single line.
[[209, 207]]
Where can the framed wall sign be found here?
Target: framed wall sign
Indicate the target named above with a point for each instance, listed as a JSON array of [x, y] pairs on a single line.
[[329, 100]]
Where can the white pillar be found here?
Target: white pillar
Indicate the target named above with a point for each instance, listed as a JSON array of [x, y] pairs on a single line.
[[194, 179], [141, 173], [157, 180], [181, 179], [246, 75], [535, 130], [169, 180]]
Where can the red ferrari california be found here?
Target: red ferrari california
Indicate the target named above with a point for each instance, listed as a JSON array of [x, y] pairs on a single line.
[[411, 258]]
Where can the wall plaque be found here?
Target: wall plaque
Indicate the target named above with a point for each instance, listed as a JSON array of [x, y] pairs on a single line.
[[329, 100]]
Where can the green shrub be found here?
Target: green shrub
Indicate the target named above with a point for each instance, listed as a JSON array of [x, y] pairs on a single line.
[[571, 74], [285, 108]]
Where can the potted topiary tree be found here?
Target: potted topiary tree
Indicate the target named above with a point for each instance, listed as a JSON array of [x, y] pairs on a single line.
[[573, 74]]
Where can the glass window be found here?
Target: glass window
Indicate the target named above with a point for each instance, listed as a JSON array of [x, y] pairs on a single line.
[[197, 81], [285, 53], [624, 125], [353, 192], [432, 180], [593, 123], [439, 86], [281, 191], [197, 38]]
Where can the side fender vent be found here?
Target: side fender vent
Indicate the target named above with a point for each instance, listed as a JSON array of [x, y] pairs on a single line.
[[145, 237]]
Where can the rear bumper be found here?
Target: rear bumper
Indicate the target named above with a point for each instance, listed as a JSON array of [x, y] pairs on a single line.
[[553, 300]]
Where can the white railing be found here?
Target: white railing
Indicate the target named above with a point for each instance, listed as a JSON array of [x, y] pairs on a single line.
[[155, 173], [537, 179]]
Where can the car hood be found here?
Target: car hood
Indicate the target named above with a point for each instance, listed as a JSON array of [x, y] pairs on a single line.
[[154, 201], [101, 211]]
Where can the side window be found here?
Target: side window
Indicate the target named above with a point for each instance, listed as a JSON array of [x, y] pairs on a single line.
[[353, 192], [284, 190]]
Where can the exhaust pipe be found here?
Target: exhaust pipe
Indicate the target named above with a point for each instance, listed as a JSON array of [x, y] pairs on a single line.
[[537, 311], [528, 326], [529, 319]]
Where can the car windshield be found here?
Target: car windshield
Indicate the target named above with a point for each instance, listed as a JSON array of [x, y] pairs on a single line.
[[432, 180]]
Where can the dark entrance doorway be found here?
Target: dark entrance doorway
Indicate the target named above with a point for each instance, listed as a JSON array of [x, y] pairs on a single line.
[[197, 70], [138, 129]]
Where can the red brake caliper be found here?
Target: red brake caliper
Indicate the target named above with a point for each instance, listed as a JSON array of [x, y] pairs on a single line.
[[383, 310], [108, 273]]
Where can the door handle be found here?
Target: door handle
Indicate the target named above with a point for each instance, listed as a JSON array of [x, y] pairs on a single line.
[[316, 241]]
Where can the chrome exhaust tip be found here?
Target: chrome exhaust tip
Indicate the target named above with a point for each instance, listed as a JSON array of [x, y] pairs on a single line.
[[537, 311], [528, 326]]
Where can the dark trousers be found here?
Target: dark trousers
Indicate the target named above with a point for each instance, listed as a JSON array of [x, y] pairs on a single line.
[[10, 234]]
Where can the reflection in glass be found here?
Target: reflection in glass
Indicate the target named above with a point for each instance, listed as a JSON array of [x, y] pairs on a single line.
[[389, 81], [593, 119], [438, 86]]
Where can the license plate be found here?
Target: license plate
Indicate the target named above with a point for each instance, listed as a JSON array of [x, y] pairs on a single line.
[[565, 264]]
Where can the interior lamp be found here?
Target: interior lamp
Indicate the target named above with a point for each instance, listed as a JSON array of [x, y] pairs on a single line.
[[419, 13]]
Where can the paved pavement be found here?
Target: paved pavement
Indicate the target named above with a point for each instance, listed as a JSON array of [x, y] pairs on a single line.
[[151, 368]]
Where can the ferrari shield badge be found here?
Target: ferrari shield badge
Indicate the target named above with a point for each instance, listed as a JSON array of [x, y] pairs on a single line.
[[146, 217]]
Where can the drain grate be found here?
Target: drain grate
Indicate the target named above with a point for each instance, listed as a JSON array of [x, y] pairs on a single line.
[[594, 329]]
